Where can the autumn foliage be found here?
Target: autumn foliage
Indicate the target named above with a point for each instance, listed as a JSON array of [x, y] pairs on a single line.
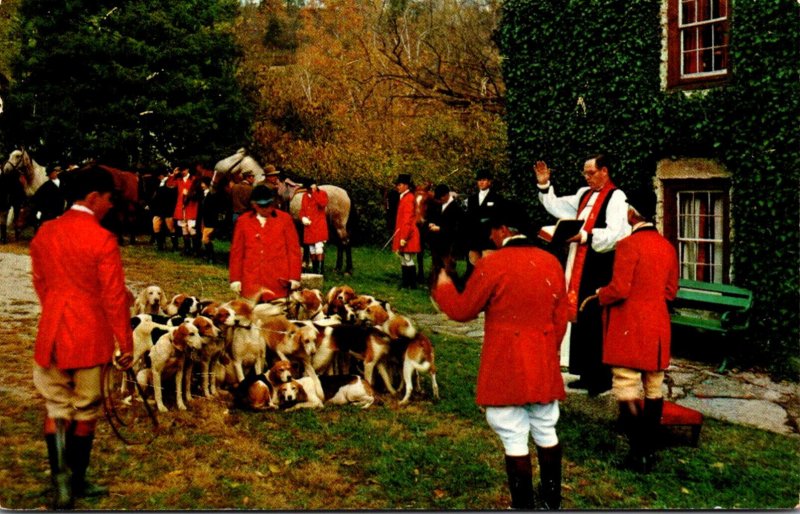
[[354, 93]]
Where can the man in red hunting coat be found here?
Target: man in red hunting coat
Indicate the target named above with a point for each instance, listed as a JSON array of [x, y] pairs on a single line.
[[315, 225], [265, 256], [636, 342], [187, 204], [406, 240], [522, 291], [78, 277]]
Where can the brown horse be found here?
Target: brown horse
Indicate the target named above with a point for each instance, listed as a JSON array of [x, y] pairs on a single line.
[[123, 217]]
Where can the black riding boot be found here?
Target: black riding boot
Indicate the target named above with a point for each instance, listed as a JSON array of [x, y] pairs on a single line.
[[59, 474], [632, 423], [409, 277], [174, 239], [160, 240], [322, 264], [187, 245], [79, 448], [520, 481], [651, 425], [3, 232], [550, 474], [210, 252], [420, 268], [197, 246], [314, 264]]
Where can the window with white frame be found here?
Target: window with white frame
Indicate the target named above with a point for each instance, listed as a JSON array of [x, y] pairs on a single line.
[[696, 220], [698, 36], [700, 235]]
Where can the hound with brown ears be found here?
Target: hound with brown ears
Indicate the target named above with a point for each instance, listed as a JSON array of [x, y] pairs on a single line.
[[367, 344], [168, 356], [418, 357], [344, 389], [337, 298], [212, 347], [248, 347], [183, 305], [397, 326], [255, 392], [301, 393], [304, 304], [150, 300]]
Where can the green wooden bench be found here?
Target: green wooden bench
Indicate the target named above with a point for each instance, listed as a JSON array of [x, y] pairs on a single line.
[[712, 307]]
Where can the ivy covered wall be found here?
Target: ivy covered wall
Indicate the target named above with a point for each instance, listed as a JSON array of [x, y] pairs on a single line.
[[583, 77]]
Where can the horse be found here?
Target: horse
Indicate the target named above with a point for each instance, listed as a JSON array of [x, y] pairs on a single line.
[[20, 178], [337, 212], [125, 213], [235, 164]]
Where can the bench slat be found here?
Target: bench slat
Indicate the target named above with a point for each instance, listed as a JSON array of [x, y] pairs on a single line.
[[713, 299]]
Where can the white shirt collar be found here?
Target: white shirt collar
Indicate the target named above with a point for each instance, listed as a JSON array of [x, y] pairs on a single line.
[[82, 208], [509, 238], [449, 201], [482, 195]]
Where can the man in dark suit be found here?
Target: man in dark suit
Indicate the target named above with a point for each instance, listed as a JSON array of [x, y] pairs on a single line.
[[445, 231], [480, 207], [48, 201]]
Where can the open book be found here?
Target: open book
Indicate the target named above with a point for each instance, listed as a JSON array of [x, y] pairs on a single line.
[[561, 231]]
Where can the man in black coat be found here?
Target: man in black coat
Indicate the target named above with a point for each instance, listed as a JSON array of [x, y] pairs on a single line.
[[209, 212], [49, 201], [445, 231], [481, 206], [162, 206]]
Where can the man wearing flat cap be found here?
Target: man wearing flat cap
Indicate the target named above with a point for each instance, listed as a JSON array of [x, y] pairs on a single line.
[[636, 341], [240, 195], [521, 290], [480, 206], [406, 241], [265, 256]]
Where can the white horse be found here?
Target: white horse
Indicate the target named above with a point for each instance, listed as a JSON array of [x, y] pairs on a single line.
[[236, 164], [337, 211], [19, 169]]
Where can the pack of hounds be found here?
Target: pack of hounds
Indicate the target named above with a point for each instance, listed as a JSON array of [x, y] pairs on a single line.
[[303, 351]]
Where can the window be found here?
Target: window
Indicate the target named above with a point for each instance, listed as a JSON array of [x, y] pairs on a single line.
[[696, 221], [698, 35]]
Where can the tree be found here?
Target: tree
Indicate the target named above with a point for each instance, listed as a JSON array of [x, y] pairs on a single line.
[[129, 83]]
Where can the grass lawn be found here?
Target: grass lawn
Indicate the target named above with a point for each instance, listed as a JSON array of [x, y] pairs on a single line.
[[427, 455]]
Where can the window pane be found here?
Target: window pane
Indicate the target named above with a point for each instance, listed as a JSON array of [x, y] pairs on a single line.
[[700, 235], [688, 11]]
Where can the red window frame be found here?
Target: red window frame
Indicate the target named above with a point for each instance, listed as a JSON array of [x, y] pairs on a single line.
[[698, 37]]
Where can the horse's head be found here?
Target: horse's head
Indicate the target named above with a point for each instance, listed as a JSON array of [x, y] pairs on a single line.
[[14, 162]]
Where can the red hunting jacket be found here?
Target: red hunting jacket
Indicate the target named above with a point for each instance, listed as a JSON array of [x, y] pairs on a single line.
[[522, 291], [406, 225], [267, 256], [184, 209], [636, 322], [78, 276], [313, 207]]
